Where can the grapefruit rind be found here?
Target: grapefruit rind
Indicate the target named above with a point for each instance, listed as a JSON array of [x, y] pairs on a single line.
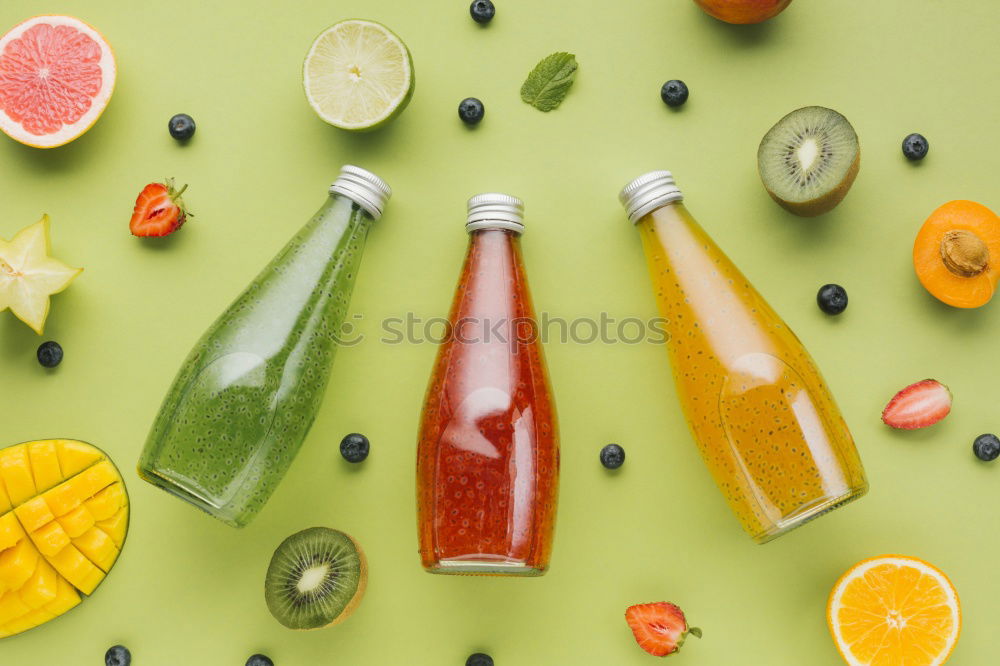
[[99, 102]]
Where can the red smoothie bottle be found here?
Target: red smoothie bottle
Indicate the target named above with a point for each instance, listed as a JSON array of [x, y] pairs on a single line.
[[488, 454]]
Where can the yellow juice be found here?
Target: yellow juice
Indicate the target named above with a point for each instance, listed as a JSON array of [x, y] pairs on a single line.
[[766, 423]]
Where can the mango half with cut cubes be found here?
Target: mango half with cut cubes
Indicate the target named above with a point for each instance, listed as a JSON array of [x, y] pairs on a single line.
[[63, 520]]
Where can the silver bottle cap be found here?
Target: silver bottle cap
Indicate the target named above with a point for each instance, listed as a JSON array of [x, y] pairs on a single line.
[[363, 187], [649, 192], [495, 211]]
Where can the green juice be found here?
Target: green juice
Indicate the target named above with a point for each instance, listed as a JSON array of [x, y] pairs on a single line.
[[250, 389]]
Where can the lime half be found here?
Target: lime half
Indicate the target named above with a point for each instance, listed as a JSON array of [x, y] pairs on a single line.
[[358, 75]]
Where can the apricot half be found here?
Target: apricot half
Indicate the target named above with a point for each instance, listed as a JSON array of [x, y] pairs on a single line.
[[957, 254], [63, 520]]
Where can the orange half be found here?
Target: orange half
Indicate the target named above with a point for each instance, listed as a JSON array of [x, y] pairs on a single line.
[[894, 610]]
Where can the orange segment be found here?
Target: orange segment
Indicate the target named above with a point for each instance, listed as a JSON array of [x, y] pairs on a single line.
[[44, 464], [894, 610]]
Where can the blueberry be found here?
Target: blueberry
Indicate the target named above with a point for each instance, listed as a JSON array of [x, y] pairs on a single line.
[[479, 659], [674, 93], [181, 127], [471, 111], [259, 660], [49, 354], [482, 11], [354, 447], [915, 147], [612, 456], [117, 656], [986, 447], [832, 299]]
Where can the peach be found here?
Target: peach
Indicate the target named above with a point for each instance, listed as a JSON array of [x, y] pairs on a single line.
[[743, 11]]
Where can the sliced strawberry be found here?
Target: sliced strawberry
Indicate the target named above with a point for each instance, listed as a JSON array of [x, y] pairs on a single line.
[[660, 628], [159, 210], [918, 405]]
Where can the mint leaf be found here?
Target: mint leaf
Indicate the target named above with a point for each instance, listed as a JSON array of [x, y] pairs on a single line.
[[547, 85]]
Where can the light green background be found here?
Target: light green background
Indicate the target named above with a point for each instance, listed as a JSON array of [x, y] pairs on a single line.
[[190, 590]]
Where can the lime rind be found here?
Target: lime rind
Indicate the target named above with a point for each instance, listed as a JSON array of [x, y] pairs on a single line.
[[358, 75]]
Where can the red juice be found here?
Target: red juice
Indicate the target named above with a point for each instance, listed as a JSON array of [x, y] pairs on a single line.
[[488, 454]]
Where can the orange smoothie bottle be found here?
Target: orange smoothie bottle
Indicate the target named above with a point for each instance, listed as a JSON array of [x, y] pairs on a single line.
[[766, 424]]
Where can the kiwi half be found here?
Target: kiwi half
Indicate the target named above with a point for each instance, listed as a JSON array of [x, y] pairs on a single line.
[[809, 159], [316, 579]]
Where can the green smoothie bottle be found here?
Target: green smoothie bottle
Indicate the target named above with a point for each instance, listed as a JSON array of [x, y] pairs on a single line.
[[248, 392]]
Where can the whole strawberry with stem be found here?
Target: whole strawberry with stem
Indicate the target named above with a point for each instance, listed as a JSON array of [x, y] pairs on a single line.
[[159, 210], [660, 628]]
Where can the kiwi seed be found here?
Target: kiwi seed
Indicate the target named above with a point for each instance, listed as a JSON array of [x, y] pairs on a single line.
[[809, 159]]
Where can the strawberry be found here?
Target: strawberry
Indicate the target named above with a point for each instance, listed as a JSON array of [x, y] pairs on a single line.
[[918, 405], [660, 628], [159, 210]]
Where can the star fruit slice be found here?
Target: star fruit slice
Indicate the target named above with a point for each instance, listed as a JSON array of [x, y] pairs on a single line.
[[28, 275]]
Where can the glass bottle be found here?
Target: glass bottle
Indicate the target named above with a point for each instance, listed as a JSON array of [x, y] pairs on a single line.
[[488, 452], [766, 423], [246, 396]]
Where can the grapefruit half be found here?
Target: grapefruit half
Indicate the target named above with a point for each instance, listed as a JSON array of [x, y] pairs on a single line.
[[56, 76]]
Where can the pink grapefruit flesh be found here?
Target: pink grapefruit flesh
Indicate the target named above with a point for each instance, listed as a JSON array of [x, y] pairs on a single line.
[[56, 76]]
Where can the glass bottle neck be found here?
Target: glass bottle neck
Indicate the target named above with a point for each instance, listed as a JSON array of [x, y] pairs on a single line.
[[672, 210], [339, 205], [483, 231]]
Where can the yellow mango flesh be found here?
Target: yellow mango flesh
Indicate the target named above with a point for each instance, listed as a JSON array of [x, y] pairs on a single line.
[[5, 504], [29, 620], [116, 526], [98, 547], [74, 457], [10, 531], [77, 521], [63, 520], [15, 470], [34, 513], [11, 607], [17, 564], [41, 587], [45, 469], [50, 539]]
